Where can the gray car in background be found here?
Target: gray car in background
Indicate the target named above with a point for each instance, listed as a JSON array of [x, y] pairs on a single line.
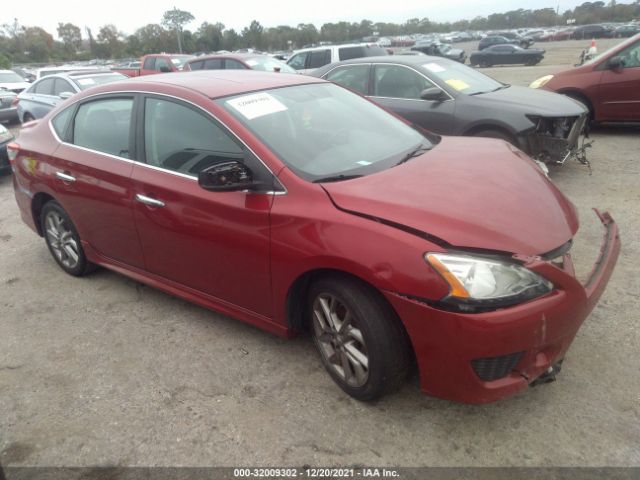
[[449, 98], [41, 97], [8, 112]]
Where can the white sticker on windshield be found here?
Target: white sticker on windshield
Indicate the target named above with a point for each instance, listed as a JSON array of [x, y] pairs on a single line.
[[86, 81], [256, 105], [434, 67]]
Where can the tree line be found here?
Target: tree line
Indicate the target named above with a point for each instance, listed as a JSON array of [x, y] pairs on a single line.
[[24, 44]]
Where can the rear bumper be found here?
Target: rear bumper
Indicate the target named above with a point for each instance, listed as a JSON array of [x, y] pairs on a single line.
[[540, 331]]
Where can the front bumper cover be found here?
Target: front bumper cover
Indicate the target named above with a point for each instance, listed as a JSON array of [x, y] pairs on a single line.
[[445, 343]]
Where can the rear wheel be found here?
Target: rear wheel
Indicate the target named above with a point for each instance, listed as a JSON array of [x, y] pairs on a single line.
[[27, 117], [358, 336], [63, 240], [485, 63]]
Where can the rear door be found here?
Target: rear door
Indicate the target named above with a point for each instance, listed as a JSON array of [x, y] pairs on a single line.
[[216, 243], [619, 90], [92, 175], [398, 88]]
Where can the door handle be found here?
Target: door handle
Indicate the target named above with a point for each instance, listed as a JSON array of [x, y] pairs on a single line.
[[152, 202], [65, 177]]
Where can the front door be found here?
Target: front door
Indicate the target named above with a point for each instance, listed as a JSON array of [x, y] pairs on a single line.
[[214, 242], [398, 89], [619, 89]]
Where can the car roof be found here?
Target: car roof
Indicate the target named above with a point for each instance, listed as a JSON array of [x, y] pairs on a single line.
[[213, 83], [73, 74], [409, 60], [233, 56]]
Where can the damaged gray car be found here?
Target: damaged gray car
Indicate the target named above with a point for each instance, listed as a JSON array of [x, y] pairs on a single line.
[[449, 98]]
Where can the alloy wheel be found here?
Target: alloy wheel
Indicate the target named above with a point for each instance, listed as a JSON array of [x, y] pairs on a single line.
[[62, 240], [339, 339]]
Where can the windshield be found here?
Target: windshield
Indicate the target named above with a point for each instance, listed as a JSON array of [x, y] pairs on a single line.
[[10, 77], [268, 64], [91, 81], [323, 130], [462, 78], [180, 60]]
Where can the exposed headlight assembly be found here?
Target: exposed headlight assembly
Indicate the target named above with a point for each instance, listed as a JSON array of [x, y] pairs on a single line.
[[541, 82], [478, 283]]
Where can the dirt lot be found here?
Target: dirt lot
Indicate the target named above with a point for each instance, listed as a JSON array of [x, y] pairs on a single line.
[[105, 371]]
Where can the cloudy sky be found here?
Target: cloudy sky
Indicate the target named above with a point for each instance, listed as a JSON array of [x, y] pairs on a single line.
[[130, 14]]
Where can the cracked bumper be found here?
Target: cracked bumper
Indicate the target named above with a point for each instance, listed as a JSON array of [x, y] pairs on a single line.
[[445, 343]]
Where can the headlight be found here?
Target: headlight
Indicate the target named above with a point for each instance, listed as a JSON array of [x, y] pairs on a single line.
[[541, 82], [5, 135], [484, 282]]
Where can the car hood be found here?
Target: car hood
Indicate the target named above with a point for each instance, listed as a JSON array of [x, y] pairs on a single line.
[[469, 192], [533, 101]]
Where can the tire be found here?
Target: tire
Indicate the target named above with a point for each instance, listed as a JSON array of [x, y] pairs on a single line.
[[485, 64], [491, 133], [584, 102], [352, 324], [27, 117], [63, 241]]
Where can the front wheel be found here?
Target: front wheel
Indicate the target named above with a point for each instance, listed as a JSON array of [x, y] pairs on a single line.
[[63, 240], [360, 340]]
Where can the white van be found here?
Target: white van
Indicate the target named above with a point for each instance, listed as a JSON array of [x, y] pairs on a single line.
[[308, 59]]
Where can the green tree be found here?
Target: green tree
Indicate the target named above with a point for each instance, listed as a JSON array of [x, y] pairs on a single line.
[[110, 43], [70, 36], [252, 35], [5, 63], [175, 19]]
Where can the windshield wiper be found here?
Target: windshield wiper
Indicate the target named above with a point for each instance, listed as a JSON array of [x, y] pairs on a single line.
[[414, 153], [506, 85], [336, 178]]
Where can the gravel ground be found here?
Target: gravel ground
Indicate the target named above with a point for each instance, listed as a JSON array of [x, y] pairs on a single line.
[[105, 371]]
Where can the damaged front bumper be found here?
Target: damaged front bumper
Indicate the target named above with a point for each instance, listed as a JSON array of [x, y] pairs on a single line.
[[483, 357], [558, 139]]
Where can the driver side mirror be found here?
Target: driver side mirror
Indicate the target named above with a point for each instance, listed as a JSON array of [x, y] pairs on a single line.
[[164, 69], [433, 94], [227, 176], [65, 95], [616, 63]]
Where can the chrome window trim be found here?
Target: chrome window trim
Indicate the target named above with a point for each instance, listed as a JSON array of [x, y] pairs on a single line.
[[153, 167]]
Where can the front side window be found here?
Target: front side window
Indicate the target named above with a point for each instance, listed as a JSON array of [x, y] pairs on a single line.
[[320, 58], [104, 125], [298, 61], [183, 140], [62, 85], [631, 56], [213, 64], [398, 82], [322, 130], [355, 77], [196, 65], [233, 65], [162, 64], [150, 63]]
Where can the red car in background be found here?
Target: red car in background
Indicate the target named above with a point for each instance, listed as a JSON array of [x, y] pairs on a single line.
[[294, 204], [238, 61], [156, 63], [608, 85]]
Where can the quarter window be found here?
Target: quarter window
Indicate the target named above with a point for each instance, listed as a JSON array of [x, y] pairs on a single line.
[[181, 139], [354, 77], [398, 82], [104, 125], [60, 122]]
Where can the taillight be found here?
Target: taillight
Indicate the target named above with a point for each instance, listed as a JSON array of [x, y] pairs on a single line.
[[15, 101], [12, 151]]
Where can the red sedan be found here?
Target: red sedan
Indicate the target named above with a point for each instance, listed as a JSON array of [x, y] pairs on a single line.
[[293, 204], [608, 85]]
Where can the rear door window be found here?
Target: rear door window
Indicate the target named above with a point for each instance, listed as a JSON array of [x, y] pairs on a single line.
[[104, 125], [233, 65], [62, 85], [196, 65], [213, 64], [45, 87]]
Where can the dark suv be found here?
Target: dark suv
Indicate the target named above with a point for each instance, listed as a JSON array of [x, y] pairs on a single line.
[[593, 31]]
